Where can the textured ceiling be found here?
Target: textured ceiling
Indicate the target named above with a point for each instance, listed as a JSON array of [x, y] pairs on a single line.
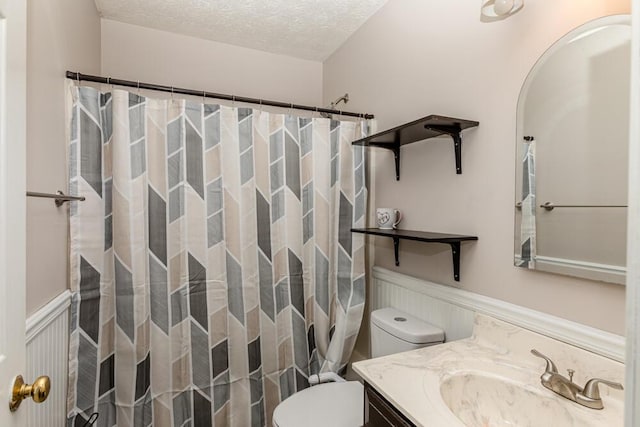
[[309, 29]]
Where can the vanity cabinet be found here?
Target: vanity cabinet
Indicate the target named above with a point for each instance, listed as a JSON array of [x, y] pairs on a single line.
[[378, 412]]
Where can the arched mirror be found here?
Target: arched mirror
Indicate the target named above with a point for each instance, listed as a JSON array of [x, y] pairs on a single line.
[[571, 157]]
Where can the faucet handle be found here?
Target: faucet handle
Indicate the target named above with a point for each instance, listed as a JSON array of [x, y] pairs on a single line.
[[551, 367], [592, 391]]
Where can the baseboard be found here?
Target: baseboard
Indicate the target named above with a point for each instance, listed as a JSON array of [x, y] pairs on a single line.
[[585, 337]]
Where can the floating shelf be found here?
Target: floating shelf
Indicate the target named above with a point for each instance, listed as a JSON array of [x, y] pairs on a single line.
[[453, 240], [427, 127]]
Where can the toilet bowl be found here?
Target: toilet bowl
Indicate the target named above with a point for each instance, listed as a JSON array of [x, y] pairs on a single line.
[[340, 404], [329, 404]]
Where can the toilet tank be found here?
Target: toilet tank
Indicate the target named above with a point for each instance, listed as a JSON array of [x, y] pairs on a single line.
[[393, 331]]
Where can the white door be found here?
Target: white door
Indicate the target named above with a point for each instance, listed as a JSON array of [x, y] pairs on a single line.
[[13, 49]]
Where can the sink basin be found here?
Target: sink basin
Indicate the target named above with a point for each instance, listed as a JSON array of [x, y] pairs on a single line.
[[486, 401]]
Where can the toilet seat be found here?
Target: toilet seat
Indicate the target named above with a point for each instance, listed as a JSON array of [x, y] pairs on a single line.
[[329, 404]]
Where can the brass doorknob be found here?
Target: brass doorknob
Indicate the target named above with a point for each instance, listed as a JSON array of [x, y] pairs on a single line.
[[39, 391]]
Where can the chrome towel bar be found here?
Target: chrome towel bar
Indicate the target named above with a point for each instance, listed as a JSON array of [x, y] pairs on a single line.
[[59, 196], [549, 206]]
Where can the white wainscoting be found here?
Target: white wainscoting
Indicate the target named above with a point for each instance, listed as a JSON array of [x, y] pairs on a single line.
[[47, 341], [453, 310]]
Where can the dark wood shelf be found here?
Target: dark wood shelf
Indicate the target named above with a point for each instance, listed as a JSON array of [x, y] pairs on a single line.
[[420, 236], [427, 127], [452, 240]]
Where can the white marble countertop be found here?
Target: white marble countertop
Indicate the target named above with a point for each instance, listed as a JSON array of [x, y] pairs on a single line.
[[499, 354]]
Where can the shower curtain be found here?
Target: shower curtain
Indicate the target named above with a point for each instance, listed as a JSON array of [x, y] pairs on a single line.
[[212, 264], [528, 206]]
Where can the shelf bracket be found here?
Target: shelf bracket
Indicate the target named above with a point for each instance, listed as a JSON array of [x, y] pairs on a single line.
[[454, 131], [396, 157], [455, 251], [396, 247]]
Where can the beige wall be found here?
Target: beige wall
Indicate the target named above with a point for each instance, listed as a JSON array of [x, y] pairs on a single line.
[[70, 36], [411, 59], [137, 53], [63, 34], [415, 58]]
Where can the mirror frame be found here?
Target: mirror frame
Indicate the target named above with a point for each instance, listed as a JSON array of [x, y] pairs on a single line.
[[592, 271]]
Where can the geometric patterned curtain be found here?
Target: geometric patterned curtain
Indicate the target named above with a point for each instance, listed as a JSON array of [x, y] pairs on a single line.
[[212, 264], [528, 206]]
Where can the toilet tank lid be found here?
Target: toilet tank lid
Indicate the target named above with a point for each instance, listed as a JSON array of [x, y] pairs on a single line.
[[406, 327]]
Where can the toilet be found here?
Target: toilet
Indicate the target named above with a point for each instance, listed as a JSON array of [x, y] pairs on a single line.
[[340, 404]]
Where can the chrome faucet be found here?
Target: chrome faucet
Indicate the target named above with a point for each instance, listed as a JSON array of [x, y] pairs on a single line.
[[588, 396]]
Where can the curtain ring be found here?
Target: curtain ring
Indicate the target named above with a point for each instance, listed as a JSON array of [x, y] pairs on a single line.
[[78, 78], [204, 97], [171, 93], [138, 88], [291, 109]]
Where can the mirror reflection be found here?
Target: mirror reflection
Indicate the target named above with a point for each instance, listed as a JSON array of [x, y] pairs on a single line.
[[571, 157]]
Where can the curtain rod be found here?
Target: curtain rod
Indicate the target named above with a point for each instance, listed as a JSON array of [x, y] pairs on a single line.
[[182, 91]]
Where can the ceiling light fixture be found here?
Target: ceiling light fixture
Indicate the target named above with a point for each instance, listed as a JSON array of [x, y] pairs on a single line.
[[494, 10]]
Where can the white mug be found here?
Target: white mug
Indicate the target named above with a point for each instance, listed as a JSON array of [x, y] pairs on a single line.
[[388, 218]]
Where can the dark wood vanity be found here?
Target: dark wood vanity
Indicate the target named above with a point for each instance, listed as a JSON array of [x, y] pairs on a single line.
[[378, 412]]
